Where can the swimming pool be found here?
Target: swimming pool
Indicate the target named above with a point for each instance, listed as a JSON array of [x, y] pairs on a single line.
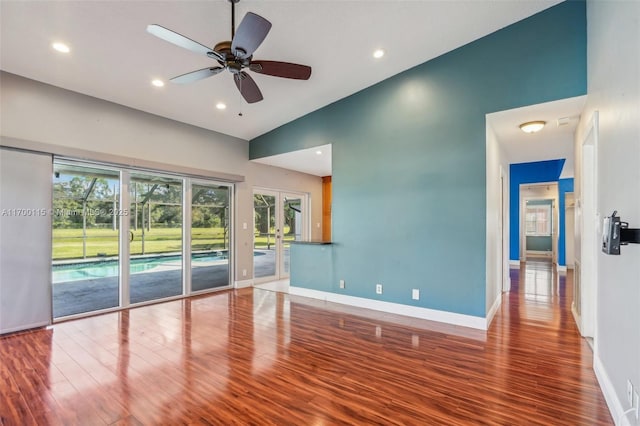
[[110, 267]]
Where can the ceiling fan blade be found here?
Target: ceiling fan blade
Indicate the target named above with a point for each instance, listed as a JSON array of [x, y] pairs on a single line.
[[247, 87], [182, 41], [281, 69], [250, 34], [190, 77]]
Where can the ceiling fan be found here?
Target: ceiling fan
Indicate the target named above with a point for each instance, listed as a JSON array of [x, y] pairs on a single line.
[[236, 55]]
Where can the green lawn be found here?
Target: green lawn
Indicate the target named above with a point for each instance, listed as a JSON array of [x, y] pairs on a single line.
[[67, 243]]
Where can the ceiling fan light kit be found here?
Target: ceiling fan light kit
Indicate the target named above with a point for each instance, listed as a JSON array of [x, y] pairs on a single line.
[[235, 56]]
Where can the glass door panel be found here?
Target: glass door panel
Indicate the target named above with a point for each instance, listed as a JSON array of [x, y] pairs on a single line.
[[292, 226], [264, 240], [210, 236], [85, 223], [155, 240], [279, 219]]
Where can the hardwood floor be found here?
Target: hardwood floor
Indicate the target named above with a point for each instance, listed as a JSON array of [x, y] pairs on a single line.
[[260, 357]]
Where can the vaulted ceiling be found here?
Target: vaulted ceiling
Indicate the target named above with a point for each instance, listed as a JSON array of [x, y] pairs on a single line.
[[113, 57]]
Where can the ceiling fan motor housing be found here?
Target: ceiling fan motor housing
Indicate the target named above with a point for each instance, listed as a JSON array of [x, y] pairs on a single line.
[[233, 63]]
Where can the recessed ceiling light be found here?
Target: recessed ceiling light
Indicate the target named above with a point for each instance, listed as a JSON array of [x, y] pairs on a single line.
[[318, 152], [378, 53], [61, 47], [157, 83], [221, 105], [532, 126]]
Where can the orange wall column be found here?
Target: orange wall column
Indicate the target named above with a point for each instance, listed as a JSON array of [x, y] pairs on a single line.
[[326, 208]]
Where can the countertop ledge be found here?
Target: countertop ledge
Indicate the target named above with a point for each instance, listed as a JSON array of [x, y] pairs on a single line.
[[316, 243]]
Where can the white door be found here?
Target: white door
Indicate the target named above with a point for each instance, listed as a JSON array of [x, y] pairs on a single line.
[[279, 218]]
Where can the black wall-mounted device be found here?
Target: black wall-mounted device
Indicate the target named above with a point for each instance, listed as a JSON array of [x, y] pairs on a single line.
[[616, 233]]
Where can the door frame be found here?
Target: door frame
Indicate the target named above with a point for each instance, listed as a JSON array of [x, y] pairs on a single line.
[[590, 229]]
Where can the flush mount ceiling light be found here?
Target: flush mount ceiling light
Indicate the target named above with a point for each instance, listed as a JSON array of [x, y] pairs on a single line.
[[318, 152], [532, 126], [157, 83], [221, 105], [378, 53], [61, 47]]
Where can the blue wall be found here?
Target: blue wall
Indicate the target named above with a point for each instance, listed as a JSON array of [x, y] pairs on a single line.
[[540, 171], [409, 192], [564, 186], [522, 173]]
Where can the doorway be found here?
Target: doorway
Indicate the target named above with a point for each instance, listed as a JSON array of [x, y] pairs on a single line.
[[539, 219], [279, 218]]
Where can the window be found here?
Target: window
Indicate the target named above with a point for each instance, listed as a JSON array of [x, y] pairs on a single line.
[[538, 220]]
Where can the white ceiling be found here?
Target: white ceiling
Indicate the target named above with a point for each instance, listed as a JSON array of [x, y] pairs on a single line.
[[552, 142], [114, 58], [314, 161]]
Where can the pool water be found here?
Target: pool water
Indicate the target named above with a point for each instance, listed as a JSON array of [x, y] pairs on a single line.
[[110, 268]]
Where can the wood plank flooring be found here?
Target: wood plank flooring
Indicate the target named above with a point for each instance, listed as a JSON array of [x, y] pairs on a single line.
[[254, 357]]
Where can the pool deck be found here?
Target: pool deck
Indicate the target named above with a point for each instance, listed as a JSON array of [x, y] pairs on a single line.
[[95, 294]]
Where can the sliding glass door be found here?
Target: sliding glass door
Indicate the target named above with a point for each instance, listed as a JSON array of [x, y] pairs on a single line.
[[85, 222], [155, 237], [123, 237], [210, 236]]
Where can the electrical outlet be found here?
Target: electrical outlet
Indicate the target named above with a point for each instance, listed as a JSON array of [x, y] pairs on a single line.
[[630, 392], [636, 403], [415, 294], [341, 283], [378, 288], [415, 340], [244, 272]]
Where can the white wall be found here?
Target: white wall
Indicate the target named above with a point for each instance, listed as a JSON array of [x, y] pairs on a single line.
[[497, 259], [59, 121], [613, 31]]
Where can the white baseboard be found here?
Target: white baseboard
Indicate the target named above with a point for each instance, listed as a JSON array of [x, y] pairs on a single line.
[[576, 317], [494, 308], [25, 327], [243, 284], [539, 253], [615, 406], [479, 323]]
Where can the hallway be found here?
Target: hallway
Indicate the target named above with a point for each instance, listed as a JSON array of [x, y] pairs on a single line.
[[253, 356]]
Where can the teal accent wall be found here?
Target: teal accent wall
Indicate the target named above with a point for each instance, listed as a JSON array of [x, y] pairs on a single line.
[[539, 243], [313, 267], [409, 161]]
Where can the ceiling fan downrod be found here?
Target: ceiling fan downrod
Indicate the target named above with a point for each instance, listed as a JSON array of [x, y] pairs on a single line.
[[233, 17]]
